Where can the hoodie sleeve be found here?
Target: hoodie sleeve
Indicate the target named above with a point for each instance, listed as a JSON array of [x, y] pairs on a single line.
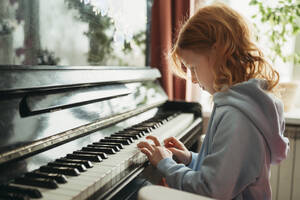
[[280, 145], [235, 161], [193, 161]]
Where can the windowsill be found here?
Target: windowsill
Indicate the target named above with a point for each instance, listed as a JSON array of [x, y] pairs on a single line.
[[291, 117]]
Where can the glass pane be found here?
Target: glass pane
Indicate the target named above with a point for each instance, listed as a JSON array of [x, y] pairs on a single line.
[[69, 32]]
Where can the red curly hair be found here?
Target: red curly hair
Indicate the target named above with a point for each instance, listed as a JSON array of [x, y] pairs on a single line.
[[238, 58]]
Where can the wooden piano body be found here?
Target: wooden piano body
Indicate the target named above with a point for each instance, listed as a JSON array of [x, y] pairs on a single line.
[[47, 113]]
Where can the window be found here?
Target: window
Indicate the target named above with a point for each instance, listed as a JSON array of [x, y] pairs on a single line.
[[69, 32], [285, 69]]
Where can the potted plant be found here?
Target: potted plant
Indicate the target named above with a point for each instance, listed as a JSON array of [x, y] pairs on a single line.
[[281, 20]]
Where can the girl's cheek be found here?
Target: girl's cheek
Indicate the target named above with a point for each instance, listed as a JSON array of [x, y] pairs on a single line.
[[198, 74]]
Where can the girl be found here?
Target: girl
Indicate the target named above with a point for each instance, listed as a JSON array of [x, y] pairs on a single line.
[[245, 131]]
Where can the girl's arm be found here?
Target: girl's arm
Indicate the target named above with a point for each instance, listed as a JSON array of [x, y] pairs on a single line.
[[235, 161]]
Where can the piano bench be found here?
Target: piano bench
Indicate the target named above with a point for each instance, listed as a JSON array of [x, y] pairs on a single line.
[[156, 192]]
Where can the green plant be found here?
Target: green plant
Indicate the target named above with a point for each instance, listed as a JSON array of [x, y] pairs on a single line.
[[282, 20]]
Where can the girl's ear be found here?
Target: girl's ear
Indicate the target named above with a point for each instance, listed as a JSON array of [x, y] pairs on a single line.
[[213, 54]]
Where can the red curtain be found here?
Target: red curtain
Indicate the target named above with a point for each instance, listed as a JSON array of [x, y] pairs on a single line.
[[167, 15]]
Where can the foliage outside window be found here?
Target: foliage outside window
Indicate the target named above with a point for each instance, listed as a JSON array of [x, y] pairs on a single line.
[[282, 20]]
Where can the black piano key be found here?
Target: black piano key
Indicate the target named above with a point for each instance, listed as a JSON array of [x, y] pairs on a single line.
[[102, 155], [121, 137], [148, 124], [92, 158], [33, 193], [39, 182], [156, 122], [133, 132], [60, 170], [156, 126], [86, 163], [144, 129], [156, 119], [135, 137], [12, 196], [171, 117], [59, 178], [115, 140], [145, 124], [114, 147], [164, 121], [80, 167], [99, 149], [111, 143], [159, 122]]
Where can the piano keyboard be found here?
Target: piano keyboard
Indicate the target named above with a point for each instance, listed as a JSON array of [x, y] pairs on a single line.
[[97, 166]]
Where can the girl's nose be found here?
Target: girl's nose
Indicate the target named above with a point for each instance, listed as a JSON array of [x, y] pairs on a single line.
[[194, 79]]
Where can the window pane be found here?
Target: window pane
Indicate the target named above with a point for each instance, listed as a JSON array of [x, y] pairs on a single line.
[[69, 32]]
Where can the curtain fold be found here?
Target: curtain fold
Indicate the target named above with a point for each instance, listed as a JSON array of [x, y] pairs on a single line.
[[166, 18], [193, 92]]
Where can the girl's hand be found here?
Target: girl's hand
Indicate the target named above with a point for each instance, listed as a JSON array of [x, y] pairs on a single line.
[[155, 153], [181, 153]]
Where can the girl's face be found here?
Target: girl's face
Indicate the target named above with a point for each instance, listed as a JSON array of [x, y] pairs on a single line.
[[200, 67]]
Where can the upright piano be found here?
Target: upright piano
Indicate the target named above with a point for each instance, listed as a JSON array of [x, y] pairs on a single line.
[[71, 132]]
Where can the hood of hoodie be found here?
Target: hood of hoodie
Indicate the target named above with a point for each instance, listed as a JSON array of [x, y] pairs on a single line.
[[263, 109]]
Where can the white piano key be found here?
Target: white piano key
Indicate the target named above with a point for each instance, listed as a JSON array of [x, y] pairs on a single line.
[[87, 182], [65, 191], [102, 174], [175, 127], [87, 185], [52, 196], [81, 189], [83, 186]]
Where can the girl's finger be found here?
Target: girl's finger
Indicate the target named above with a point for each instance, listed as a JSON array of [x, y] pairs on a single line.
[[175, 151], [154, 139], [146, 152], [173, 140], [145, 145], [169, 144], [169, 139]]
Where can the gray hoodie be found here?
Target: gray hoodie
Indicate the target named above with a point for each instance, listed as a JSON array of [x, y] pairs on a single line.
[[244, 136]]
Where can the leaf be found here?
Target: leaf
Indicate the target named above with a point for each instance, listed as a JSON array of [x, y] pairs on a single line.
[[296, 29], [253, 2]]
